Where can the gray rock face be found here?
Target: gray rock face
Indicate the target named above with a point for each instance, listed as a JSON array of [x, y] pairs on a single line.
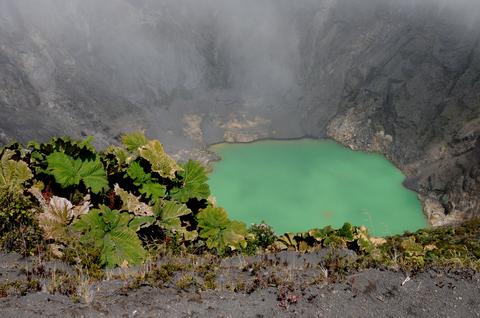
[[398, 77]]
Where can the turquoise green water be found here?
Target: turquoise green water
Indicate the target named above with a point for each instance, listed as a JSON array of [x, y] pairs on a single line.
[[297, 185]]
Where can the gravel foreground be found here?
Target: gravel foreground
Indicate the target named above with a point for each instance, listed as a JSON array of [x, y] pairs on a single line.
[[368, 293]]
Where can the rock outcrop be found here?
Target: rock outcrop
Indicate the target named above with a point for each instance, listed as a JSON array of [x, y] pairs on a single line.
[[397, 77]]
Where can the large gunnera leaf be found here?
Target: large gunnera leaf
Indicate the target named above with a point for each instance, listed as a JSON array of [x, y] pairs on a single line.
[[69, 172], [13, 174], [132, 203], [219, 231], [94, 176], [194, 183], [55, 218], [111, 232], [57, 214], [159, 160], [153, 191], [134, 140], [168, 214]]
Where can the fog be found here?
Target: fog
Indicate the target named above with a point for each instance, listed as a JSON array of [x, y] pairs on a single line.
[[249, 45], [95, 60], [246, 44]]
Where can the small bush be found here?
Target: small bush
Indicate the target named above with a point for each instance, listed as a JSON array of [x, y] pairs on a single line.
[[19, 287], [264, 235], [14, 210], [19, 231], [185, 282], [159, 276]]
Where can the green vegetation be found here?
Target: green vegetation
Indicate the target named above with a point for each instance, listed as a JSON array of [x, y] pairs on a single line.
[[220, 232], [457, 247], [168, 216], [18, 226], [115, 203], [13, 174], [69, 172], [261, 237], [194, 183], [132, 204], [114, 234]]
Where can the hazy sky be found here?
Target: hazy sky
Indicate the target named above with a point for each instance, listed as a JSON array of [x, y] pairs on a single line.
[[146, 48]]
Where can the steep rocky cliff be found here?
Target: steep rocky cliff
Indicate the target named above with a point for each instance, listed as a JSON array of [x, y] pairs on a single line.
[[398, 77], [412, 91]]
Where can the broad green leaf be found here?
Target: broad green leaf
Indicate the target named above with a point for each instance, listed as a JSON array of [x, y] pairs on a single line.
[[194, 183], [13, 174], [94, 176], [68, 172], [109, 230], [111, 218], [91, 223], [211, 221], [121, 245], [33, 145], [219, 231], [153, 191], [169, 213], [73, 148], [161, 162], [132, 203], [65, 169], [133, 141], [85, 144]]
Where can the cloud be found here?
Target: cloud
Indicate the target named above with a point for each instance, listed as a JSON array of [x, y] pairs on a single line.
[[149, 49]]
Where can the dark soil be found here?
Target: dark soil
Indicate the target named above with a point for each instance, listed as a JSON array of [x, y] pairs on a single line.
[[285, 284]]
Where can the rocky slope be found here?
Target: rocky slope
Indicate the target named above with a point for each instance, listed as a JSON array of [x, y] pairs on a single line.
[[399, 77]]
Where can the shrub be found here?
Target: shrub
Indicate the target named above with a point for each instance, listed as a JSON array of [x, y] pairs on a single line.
[[264, 235], [18, 228]]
